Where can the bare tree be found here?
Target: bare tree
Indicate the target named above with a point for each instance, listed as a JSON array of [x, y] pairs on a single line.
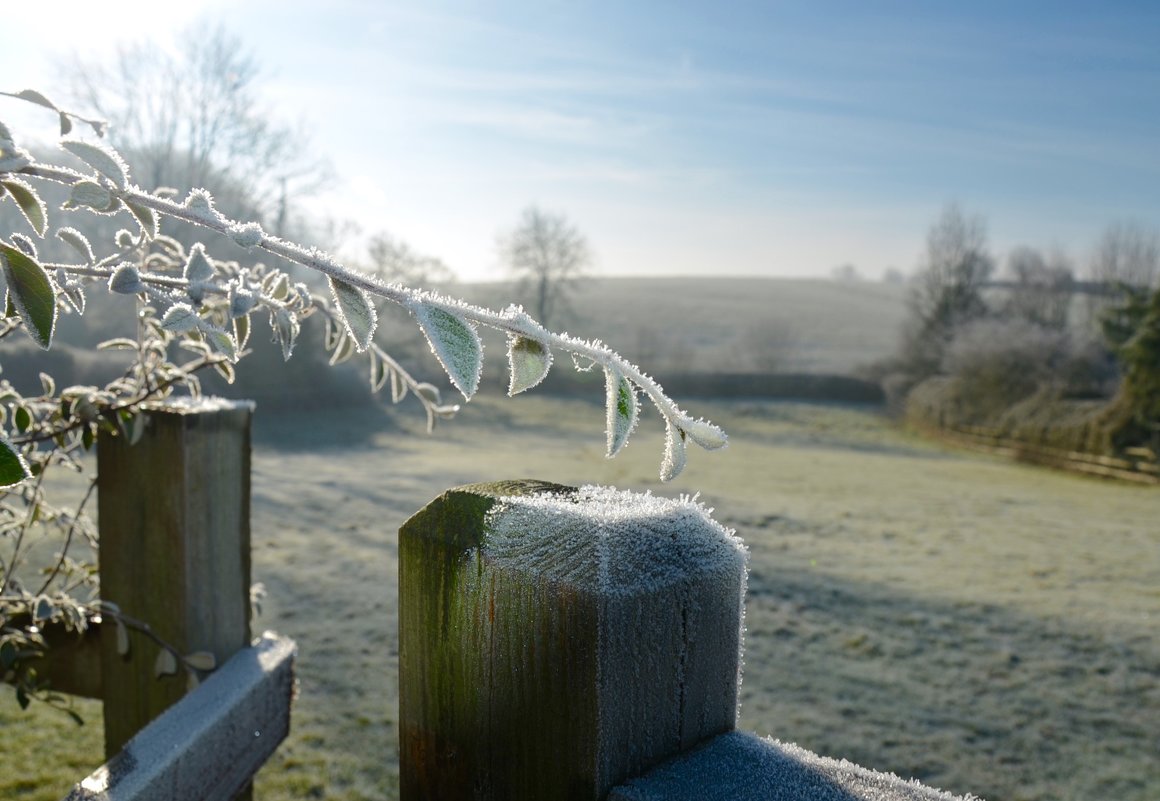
[[548, 255], [947, 291], [845, 274], [1128, 253], [396, 261], [1042, 287], [193, 117]]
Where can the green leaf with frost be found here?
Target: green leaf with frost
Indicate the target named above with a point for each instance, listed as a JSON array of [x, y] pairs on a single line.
[[528, 363], [31, 206], [219, 340], [31, 293], [621, 409], [357, 312], [13, 468], [101, 159], [145, 217], [198, 267], [126, 280], [91, 195], [180, 318], [455, 343], [78, 242], [674, 459]]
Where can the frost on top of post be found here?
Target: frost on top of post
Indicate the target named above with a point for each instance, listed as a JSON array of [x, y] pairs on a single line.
[[608, 541]]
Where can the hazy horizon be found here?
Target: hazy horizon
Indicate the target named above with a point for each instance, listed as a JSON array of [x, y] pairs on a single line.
[[777, 141]]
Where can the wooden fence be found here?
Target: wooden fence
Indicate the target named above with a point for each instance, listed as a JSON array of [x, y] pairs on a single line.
[[584, 644], [174, 520], [555, 642], [1141, 465]]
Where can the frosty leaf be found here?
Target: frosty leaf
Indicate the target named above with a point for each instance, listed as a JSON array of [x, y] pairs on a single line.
[[456, 345], [13, 158], [122, 638], [180, 318], [674, 461], [201, 660], [242, 301], [200, 205], [343, 350], [357, 312], [150, 224], [33, 96], [621, 409], [707, 435], [242, 330], [78, 242], [31, 206], [101, 159], [90, 194], [126, 280], [31, 293], [398, 387], [198, 267], [528, 362], [166, 664], [13, 468], [378, 373], [26, 245], [248, 235], [286, 327], [75, 295], [220, 341]]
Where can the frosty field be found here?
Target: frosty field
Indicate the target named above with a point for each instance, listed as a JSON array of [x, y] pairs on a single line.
[[982, 626]]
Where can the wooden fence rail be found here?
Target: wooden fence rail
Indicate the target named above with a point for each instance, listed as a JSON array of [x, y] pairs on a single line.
[[584, 644], [209, 744]]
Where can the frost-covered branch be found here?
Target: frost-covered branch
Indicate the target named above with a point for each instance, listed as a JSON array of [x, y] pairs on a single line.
[[449, 325]]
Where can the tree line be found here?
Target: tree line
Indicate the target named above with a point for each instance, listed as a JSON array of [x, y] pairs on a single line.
[[1037, 332]]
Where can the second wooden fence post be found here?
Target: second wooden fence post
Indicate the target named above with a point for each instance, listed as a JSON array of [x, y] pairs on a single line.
[[555, 641], [174, 516]]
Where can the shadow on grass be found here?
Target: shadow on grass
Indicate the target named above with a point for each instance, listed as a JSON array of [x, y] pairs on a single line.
[[324, 428], [970, 697]]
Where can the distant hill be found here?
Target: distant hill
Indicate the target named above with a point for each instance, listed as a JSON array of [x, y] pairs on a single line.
[[732, 324]]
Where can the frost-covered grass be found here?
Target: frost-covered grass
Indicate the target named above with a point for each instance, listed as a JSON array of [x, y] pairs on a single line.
[[983, 626]]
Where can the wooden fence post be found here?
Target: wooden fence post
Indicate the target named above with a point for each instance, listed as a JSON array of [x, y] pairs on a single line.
[[556, 641], [174, 518]]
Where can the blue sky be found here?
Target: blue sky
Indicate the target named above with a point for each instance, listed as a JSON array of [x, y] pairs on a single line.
[[708, 138]]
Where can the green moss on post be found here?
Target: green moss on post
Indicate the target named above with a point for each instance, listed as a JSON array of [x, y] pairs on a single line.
[[555, 641]]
